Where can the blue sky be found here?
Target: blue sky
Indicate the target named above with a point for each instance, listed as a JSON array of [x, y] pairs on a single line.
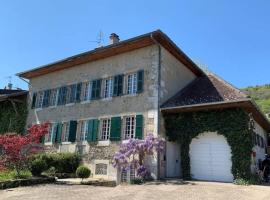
[[231, 38]]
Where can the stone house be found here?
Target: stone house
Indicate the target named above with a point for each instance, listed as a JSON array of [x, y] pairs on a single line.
[[99, 99]]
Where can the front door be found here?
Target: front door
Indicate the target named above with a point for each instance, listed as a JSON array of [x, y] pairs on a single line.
[[173, 164]]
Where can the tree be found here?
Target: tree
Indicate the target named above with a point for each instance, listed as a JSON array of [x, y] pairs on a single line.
[[132, 154], [15, 149]]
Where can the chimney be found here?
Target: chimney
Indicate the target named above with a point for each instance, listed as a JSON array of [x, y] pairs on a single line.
[[114, 38]]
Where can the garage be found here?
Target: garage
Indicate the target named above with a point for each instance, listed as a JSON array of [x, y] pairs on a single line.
[[210, 158]]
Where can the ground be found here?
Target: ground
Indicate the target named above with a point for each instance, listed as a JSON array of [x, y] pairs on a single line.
[[159, 191]]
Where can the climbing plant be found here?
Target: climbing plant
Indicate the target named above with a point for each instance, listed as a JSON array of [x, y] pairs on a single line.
[[233, 124], [12, 117]]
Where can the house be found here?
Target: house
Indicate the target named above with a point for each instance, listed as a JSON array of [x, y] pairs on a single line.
[[13, 110], [99, 99]]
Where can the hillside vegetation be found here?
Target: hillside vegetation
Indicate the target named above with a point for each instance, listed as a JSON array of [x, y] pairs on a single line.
[[261, 94]]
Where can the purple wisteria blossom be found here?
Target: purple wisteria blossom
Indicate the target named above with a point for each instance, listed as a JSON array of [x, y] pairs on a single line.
[[132, 154]]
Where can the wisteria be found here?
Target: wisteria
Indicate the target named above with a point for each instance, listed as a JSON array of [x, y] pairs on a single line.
[[132, 154]]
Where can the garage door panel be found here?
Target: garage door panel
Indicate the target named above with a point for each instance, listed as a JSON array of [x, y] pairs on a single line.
[[210, 158]]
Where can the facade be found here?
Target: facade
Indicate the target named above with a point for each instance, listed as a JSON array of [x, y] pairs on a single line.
[[98, 100]]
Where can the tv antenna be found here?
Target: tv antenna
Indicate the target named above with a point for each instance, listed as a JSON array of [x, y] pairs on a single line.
[[99, 39]]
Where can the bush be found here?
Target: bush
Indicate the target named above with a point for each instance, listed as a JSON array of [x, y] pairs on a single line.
[[37, 166], [137, 181], [62, 162], [83, 172], [254, 179]]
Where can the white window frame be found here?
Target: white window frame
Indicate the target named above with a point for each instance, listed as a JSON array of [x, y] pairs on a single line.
[[108, 88], [128, 175], [53, 98], [83, 130], [65, 132], [86, 93], [39, 101], [131, 83], [105, 129], [129, 124]]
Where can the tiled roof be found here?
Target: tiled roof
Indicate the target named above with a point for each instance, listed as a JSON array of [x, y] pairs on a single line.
[[205, 89]]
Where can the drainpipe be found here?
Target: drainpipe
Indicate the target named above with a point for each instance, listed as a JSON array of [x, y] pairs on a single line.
[[159, 88]]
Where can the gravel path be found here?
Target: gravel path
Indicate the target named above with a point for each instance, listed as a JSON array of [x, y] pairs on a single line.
[[166, 191]]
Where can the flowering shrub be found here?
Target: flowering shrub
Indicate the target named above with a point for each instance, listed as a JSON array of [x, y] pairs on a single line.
[[132, 154], [15, 149]]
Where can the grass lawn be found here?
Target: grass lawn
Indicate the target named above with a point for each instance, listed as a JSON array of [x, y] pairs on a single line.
[[11, 175]]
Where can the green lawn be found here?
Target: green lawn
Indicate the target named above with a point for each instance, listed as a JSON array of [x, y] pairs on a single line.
[[11, 175]]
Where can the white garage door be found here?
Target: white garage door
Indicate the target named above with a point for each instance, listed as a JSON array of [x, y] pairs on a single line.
[[210, 158]]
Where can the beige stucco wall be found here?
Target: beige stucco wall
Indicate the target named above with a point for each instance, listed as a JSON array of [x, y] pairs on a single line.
[[174, 77], [145, 103]]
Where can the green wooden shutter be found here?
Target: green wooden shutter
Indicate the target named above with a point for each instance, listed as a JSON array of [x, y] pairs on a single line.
[[140, 79], [139, 127], [54, 133], [96, 89], [78, 92], [59, 133], [92, 134], [72, 131], [89, 136], [72, 97], [115, 86], [120, 84], [95, 130], [115, 129], [34, 98], [42, 139]]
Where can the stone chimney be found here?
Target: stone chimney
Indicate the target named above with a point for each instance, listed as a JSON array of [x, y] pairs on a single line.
[[114, 38]]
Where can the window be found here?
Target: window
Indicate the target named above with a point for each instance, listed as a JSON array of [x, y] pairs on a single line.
[[101, 169], [96, 85], [128, 174], [53, 97], [61, 100], [132, 83], [71, 93], [52, 129], [39, 99], [86, 91], [105, 129], [129, 124], [108, 88], [83, 130], [65, 133]]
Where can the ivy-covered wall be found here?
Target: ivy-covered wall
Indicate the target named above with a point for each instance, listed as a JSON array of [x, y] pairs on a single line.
[[234, 124], [10, 120]]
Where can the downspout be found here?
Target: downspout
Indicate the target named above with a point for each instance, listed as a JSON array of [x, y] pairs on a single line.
[[159, 88], [30, 97]]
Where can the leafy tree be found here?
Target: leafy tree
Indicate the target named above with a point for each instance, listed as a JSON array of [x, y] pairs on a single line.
[[15, 149], [132, 154]]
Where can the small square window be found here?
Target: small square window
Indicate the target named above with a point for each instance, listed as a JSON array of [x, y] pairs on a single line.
[[101, 169]]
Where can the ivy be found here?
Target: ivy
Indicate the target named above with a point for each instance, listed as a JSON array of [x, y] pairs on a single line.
[[10, 121], [233, 124]]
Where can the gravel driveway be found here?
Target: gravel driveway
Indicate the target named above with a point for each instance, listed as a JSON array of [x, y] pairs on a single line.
[[166, 191]]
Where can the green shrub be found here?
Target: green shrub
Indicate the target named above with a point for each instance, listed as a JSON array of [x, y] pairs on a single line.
[[137, 181], [83, 172], [37, 166], [253, 179], [11, 175], [62, 162]]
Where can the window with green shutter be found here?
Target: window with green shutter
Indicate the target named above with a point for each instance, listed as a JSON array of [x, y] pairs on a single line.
[[59, 133], [72, 96], [118, 85], [34, 100], [115, 133], [92, 134], [96, 87], [139, 127], [72, 131], [140, 76]]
